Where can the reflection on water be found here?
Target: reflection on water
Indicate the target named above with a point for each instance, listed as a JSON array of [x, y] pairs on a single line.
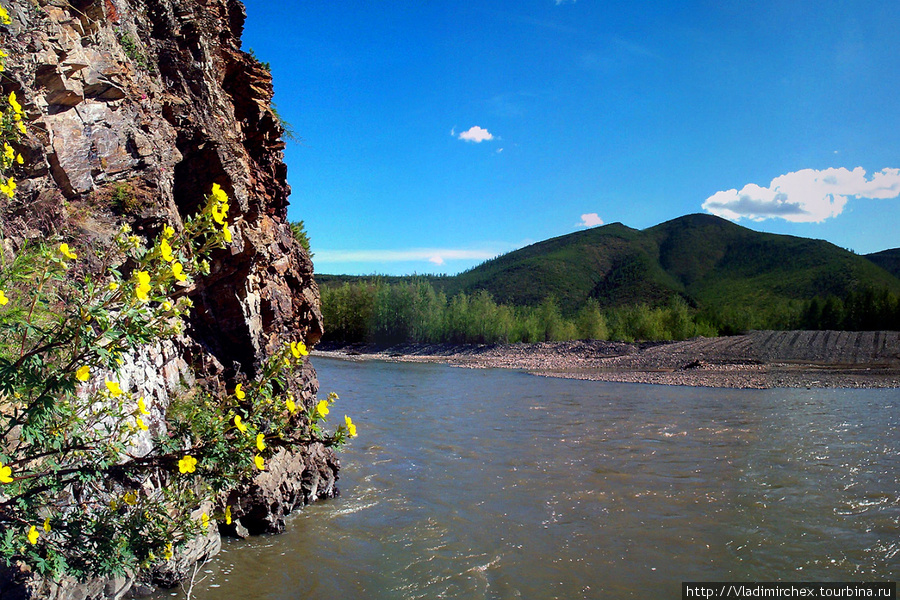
[[496, 484]]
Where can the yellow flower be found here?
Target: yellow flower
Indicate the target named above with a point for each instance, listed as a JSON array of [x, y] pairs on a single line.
[[113, 286], [237, 423], [291, 405], [165, 250], [298, 349], [130, 498], [168, 231], [21, 126], [9, 155], [204, 520], [178, 271], [219, 194], [47, 524], [8, 188], [83, 373], [168, 554], [188, 464], [226, 233], [142, 407], [166, 306], [17, 108], [5, 474], [64, 250], [322, 407], [260, 463], [4, 16], [33, 535], [3, 298], [19, 159], [114, 389], [228, 515], [260, 444], [143, 286], [351, 427], [140, 423], [241, 394]]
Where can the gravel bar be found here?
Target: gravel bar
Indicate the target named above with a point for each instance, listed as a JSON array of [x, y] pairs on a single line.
[[759, 359]]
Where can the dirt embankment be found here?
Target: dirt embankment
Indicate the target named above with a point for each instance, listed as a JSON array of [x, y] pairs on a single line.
[[760, 359]]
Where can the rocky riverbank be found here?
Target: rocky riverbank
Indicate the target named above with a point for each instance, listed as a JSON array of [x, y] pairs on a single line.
[[760, 359]]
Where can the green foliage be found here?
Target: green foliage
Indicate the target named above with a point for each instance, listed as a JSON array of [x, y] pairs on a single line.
[[889, 260], [286, 127], [264, 65], [86, 488], [866, 309], [701, 274], [298, 230], [124, 199], [133, 51], [414, 311]]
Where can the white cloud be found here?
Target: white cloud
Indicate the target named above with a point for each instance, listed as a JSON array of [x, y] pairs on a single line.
[[590, 220], [476, 134], [805, 196], [437, 256]]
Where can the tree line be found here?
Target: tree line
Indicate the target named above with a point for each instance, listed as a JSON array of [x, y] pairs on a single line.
[[415, 311]]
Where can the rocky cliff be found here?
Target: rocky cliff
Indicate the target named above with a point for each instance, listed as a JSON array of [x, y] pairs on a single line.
[[134, 109]]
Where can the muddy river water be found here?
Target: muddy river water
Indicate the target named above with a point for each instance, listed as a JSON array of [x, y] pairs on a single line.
[[498, 484]]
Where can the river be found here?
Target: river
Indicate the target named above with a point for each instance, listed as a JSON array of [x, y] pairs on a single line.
[[478, 484]]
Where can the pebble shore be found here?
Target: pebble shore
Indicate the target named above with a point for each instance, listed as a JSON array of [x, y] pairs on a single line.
[[757, 360]]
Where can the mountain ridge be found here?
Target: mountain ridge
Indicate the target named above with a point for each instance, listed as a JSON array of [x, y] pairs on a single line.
[[702, 259]]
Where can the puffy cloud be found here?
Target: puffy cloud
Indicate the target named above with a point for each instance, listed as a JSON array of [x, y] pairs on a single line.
[[476, 134], [805, 196], [590, 220], [437, 256]]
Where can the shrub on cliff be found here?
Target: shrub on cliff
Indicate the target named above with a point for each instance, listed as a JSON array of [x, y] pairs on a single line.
[[95, 479]]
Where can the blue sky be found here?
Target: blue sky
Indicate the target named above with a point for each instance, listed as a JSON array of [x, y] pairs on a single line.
[[435, 135]]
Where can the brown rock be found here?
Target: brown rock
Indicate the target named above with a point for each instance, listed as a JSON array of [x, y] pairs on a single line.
[[181, 108]]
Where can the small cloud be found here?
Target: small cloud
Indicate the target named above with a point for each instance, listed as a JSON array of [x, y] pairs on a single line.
[[805, 196], [558, 2], [590, 220], [499, 150], [476, 134], [437, 256], [453, 131]]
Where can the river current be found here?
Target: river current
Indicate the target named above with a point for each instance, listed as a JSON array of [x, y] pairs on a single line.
[[478, 484]]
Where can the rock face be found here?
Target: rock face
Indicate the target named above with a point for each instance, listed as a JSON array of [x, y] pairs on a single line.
[[134, 109]]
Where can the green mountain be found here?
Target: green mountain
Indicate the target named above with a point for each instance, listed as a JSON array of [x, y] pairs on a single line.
[[703, 259], [889, 260]]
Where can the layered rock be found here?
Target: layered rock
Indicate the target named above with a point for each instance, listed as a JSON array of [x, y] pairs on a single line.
[[134, 109]]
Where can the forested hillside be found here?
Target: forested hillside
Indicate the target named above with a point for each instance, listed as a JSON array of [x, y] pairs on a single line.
[[696, 275]]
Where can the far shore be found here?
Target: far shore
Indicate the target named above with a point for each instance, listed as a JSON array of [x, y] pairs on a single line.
[[757, 360]]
